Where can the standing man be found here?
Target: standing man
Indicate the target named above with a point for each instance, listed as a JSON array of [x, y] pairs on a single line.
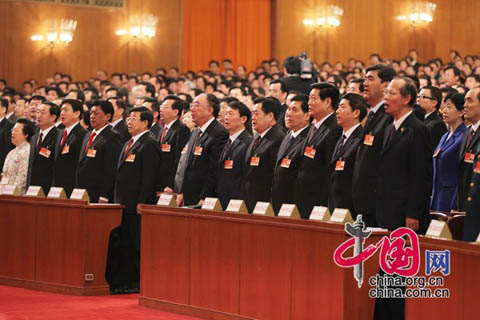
[[173, 138], [5, 132], [311, 188], [297, 120], [69, 143], [42, 147], [154, 106], [230, 168], [471, 227], [430, 99], [365, 173], [350, 113], [471, 142], [135, 183], [118, 124], [204, 150], [262, 153], [278, 90], [99, 154]]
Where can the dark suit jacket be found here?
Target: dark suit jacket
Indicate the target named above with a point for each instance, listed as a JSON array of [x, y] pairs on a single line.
[[122, 130], [96, 173], [174, 141], [13, 118], [155, 131], [65, 173], [340, 192], [436, 128], [445, 166], [6, 144], [295, 83], [201, 170], [136, 180], [471, 226], [284, 178], [40, 168], [419, 112], [465, 169], [405, 176], [229, 181], [257, 182], [311, 188], [365, 173], [281, 118]]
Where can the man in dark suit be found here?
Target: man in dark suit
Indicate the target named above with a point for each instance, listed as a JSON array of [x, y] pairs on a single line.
[[471, 142], [173, 138], [297, 120], [278, 90], [365, 174], [471, 226], [153, 105], [262, 153], [405, 176], [118, 123], [69, 143], [311, 188], [99, 154], [11, 108], [292, 68], [135, 183], [42, 147], [5, 132], [230, 168], [430, 99], [350, 113], [204, 150]]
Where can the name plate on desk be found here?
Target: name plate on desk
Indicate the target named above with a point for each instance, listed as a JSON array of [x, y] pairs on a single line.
[[263, 208], [167, 200], [11, 190], [35, 191], [212, 204], [236, 206], [80, 194], [439, 229], [478, 239], [289, 211], [320, 213], [57, 193], [341, 216]]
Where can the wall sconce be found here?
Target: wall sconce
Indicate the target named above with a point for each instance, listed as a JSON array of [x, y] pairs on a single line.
[[143, 26], [331, 18], [421, 13], [57, 33]]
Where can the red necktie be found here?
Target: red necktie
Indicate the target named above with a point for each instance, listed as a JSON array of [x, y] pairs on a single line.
[[64, 137], [469, 137], [90, 141], [39, 142], [312, 133], [257, 141], [164, 133], [128, 147]]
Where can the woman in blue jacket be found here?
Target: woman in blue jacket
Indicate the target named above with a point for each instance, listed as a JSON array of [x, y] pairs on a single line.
[[446, 155]]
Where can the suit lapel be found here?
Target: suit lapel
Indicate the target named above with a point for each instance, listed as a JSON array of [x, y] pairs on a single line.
[[192, 145]]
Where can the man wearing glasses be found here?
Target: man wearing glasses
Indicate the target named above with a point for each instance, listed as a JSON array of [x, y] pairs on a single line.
[[430, 99]]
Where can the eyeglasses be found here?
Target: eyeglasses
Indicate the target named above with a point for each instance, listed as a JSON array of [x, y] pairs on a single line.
[[426, 97], [196, 105]]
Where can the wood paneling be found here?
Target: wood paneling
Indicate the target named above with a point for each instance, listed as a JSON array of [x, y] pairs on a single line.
[[370, 26], [95, 45]]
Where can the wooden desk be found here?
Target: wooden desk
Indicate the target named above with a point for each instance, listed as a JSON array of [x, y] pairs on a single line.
[[219, 265], [463, 283], [53, 244]]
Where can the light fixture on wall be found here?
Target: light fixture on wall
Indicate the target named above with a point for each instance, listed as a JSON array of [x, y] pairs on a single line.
[[420, 13], [143, 26], [329, 17], [57, 33]]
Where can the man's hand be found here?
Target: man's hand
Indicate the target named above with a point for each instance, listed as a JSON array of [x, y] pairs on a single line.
[[412, 223], [168, 190], [180, 200], [201, 202]]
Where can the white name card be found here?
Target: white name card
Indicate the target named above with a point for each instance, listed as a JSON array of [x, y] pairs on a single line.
[[320, 213], [56, 193], [236, 206], [289, 211], [439, 229], [167, 200], [80, 194], [478, 239], [35, 191], [263, 208], [11, 190], [341, 216], [212, 204]]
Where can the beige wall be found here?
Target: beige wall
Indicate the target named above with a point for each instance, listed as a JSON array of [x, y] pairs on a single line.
[[95, 45]]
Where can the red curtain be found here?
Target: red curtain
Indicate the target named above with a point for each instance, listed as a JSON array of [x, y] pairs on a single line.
[[217, 29]]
